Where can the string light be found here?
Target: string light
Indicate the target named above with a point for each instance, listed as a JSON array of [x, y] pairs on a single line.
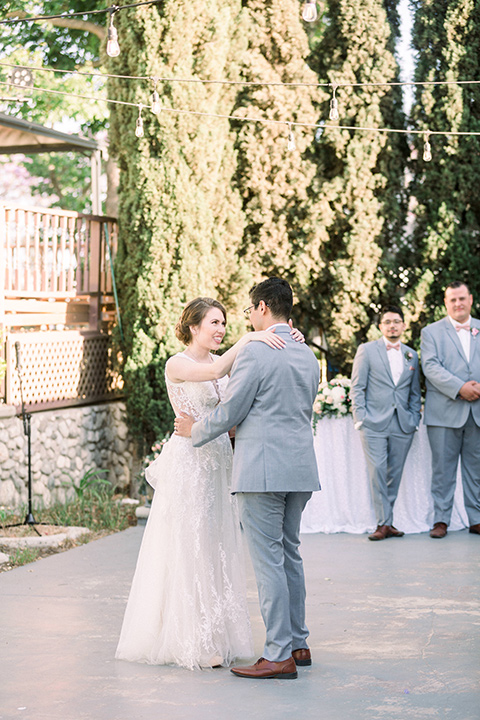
[[316, 126], [139, 128], [334, 104], [427, 149], [291, 145], [156, 104], [309, 12], [113, 48]]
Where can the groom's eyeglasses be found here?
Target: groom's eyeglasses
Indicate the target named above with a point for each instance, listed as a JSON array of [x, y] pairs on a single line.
[[248, 310]]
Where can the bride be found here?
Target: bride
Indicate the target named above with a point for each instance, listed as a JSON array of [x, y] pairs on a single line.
[[187, 604]]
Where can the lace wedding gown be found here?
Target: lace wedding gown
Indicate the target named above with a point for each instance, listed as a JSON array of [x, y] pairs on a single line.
[[187, 605]]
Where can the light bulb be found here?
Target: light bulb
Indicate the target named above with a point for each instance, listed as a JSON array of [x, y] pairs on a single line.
[[309, 12], [334, 109], [291, 145], [113, 48], [427, 149], [156, 104], [139, 128]]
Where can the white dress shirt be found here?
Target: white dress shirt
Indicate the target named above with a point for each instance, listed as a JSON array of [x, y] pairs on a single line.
[[395, 358], [463, 335]]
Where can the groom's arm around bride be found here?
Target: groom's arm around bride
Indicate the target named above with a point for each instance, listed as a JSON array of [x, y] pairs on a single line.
[[269, 398]]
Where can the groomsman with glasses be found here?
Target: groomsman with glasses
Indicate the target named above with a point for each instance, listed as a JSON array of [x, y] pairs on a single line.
[[451, 364], [386, 404]]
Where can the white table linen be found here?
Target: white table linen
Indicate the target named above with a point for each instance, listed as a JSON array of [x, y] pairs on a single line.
[[344, 504]]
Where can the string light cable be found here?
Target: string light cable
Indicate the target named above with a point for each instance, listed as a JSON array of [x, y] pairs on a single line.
[[65, 16], [291, 124], [248, 83]]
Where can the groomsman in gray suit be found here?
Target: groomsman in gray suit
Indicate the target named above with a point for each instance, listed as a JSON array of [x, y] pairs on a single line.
[[451, 364], [269, 399], [386, 404]]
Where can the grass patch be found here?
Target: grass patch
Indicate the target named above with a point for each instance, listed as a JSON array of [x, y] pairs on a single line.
[[22, 556], [95, 506]]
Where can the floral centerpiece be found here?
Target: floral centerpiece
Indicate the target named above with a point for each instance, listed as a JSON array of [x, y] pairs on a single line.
[[333, 400]]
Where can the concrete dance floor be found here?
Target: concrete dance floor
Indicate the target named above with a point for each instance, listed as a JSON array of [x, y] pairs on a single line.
[[395, 634]]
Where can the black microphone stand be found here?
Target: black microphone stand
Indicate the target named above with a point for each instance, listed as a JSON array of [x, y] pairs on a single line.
[[27, 429]]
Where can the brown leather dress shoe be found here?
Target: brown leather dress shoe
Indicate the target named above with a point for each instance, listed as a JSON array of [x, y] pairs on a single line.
[[380, 533], [393, 532], [265, 669], [302, 657], [475, 529], [439, 530]]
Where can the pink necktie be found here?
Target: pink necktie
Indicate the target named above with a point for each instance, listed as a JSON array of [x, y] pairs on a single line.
[[393, 347], [466, 327]]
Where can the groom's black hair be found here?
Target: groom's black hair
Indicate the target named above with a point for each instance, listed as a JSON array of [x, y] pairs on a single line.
[[277, 294]]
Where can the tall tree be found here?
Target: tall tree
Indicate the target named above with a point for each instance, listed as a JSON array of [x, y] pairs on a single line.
[[360, 173], [180, 219], [283, 233], [445, 244]]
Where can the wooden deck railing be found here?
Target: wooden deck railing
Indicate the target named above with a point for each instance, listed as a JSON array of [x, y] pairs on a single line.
[[55, 268], [55, 276]]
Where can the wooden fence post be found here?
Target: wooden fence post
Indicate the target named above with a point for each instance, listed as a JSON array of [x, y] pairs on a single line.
[[95, 233]]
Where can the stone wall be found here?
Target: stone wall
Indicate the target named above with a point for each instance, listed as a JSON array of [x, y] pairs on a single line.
[[66, 443]]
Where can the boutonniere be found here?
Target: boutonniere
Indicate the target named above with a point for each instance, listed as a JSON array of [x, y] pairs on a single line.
[[474, 331], [408, 355]]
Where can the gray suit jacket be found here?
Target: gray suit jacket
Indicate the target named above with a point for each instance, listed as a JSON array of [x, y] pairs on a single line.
[[446, 369], [269, 398], [375, 397]]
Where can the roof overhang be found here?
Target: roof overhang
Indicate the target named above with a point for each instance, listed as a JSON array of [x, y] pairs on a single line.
[[21, 136]]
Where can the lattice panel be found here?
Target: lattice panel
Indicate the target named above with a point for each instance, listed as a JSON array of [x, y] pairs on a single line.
[[60, 368]]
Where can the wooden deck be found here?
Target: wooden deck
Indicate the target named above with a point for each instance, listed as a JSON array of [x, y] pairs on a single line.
[[57, 305]]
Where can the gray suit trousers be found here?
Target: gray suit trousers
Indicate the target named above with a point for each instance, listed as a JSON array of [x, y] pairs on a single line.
[[447, 445], [271, 522], [385, 453]]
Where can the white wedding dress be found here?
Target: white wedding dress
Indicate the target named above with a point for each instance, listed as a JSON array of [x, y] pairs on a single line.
[[187, 604]]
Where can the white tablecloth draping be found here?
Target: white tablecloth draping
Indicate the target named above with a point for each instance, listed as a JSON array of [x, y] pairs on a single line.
[[344, 504]]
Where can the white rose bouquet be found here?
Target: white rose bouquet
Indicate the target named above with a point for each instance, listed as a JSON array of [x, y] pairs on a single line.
[[333, 400]]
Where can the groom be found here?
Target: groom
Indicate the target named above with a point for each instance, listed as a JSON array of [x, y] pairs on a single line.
[[269, 399]]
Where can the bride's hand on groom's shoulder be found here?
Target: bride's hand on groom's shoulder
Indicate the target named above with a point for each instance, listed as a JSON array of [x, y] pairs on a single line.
[[295, 333], [269, 338], [183, 425]]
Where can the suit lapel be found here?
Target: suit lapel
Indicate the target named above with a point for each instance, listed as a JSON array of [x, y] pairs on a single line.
[[474, 340], [453, 335], [405, 363], [382, 351]]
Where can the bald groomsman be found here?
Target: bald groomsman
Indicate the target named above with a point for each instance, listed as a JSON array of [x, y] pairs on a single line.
[[451, 363], [386, 404]]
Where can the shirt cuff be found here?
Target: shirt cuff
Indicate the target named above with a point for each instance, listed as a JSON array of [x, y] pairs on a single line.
[[358, 425]]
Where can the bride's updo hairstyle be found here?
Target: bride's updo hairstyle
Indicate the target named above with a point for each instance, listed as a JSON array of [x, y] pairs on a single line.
[[193, 315]]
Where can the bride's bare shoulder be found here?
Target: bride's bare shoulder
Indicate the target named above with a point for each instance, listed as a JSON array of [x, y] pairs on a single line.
[[173, 367]]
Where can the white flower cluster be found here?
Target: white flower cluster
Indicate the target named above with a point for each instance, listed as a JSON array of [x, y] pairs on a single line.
[[333, 399]]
